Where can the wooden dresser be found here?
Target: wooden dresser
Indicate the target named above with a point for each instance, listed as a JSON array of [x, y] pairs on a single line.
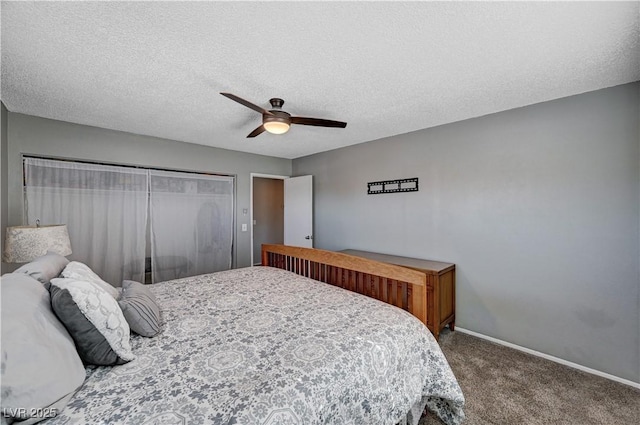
[[441, 286]]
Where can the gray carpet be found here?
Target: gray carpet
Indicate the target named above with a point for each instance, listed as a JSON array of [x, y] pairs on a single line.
[[506, 386]]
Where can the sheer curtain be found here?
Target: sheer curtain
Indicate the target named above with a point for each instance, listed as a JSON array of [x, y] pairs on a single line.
[[104, 208], [191, 224]]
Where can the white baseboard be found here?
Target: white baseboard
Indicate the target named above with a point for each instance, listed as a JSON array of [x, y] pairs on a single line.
[[548, 357]]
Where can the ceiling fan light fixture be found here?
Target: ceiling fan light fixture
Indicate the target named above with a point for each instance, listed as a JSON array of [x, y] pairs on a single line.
[[276, 127], [277, 121]]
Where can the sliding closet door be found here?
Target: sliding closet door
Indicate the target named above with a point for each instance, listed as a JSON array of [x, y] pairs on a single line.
[[191, 224], [104, 208]]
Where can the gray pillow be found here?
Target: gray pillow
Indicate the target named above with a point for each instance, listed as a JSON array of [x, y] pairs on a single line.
[[140, 308], [40, 366], [45, 268], [94, 320]]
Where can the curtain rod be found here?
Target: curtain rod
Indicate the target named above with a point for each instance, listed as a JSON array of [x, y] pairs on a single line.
[[87, 161]]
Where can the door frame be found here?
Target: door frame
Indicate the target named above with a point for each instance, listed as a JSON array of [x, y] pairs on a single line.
[[262, 176]]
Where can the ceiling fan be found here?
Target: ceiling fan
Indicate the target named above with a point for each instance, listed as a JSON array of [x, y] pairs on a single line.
[[277, 121]]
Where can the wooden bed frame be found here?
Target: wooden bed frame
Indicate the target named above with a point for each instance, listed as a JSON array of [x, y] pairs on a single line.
[[395, 285]]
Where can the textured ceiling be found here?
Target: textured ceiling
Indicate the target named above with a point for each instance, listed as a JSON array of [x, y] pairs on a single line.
[[386, 67]]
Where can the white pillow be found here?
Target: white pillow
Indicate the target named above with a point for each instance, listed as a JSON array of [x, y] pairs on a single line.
[[45, 268], [99, 320], [79, 271], [41, 368]]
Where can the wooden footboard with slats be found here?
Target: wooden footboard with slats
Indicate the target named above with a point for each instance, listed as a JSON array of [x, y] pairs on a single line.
[[395, 285]]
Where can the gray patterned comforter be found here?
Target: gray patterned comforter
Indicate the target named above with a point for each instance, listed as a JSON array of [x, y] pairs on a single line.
[[264, 346]]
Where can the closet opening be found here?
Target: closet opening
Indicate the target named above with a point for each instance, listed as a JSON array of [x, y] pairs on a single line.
[[133, 222]]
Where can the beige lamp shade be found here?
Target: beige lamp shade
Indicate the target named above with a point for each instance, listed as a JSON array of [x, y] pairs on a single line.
[[25, 243]]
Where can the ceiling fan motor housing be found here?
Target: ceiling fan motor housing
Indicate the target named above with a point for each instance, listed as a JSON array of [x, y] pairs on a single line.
[[278, 116]]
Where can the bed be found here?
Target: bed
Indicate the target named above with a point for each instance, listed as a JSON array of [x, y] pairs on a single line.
[[276, 345]]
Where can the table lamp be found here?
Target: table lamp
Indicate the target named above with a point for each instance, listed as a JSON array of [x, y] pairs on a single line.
[[26, 243]]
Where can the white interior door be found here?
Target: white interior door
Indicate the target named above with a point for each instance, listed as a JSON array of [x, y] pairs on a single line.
[[298, 211]]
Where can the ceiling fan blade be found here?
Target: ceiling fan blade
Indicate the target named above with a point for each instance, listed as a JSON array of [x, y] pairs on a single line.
[[257, 131], [317, 122], [246, 103]]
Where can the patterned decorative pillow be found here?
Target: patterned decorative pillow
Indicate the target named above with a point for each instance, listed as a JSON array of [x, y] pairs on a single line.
[[79, 271], [94, 320], [45, 268], [140, 308]]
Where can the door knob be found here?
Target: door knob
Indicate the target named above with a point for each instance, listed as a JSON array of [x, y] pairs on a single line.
[[308, 237]]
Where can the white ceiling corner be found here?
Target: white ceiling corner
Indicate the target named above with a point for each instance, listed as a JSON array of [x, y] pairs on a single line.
[[384, 67]]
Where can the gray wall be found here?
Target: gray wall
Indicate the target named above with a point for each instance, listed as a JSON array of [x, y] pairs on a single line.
[[33, 135], [268, 213], [3, 178], [537, 206]]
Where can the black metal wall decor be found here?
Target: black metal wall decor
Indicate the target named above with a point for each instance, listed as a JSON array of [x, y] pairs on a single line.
[[393, 186]]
